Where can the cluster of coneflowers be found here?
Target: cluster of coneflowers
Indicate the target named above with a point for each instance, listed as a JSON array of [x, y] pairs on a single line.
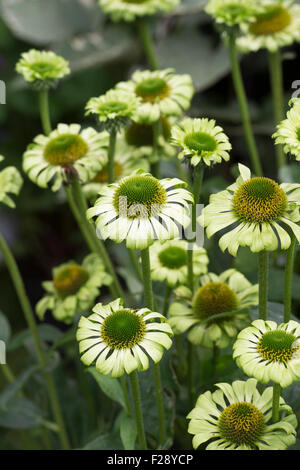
[[110, 174]]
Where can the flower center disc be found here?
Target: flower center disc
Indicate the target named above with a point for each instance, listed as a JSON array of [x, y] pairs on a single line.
[[277, 346], [123, 329], [152, 88], [200, 142], [139, 196], [140, 135], [65, 149], [214, 298], [173, 257], [68, 280], [241, 423], [275, 19], [102, 176], [113, 107], [259, 200], [42, 67]]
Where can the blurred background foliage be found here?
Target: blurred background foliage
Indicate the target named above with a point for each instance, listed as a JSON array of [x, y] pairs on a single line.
[[41, 230]]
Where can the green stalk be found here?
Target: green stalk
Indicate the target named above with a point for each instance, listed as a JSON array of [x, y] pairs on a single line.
[[7, 372], [149, 299], [242, 99], [138, 409], [94, 242], [168, 294], [147, 43], [111, 156], [288, 276], [263, 271], [44, 111], [135, 264], [197, 186], [29, 316], [155, 166], [275, 66], [276, 400], [125, 394]]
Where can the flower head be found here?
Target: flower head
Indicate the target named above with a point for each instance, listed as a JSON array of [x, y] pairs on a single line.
[[119, 340], [216, 312], [254, 210], [140, 209], [238, 417], [268, 351], [10, 183], [277, 24], [66, 148], [114, 109], [125, 163], [129, 10], [162, 93], [288, 131], [169, 262], [232, 12], [42, 68], [201, 141], [73, 289]]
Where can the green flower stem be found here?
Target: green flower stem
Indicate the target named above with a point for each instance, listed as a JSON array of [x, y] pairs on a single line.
[[111, 156], [29, 316], [197, 186], [147, 42], [168, 294], [135, 264], [263, 271], [7, 372], [138, 409], [275, 66], [242, 99], [44, 111], [145, 257], [155, 166], [149, 300], [95, 244], [289, 267], [191, 386], [276, 400], [125, 394]]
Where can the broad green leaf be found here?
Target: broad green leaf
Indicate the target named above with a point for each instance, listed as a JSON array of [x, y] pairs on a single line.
[[275, 313], [43, 21], [189, 51], [20, 413], [128, 431], [104, 442], [111, 387], [46, 332], [16, 386]]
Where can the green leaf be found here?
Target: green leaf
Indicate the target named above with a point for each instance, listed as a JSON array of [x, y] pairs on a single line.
[[190, 51], [276, 285], [46, 332], [128, 431], [275, 313], [16, 386], [5, 330], [111, 387], [43, 21], [104, 442], [20, 413]]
